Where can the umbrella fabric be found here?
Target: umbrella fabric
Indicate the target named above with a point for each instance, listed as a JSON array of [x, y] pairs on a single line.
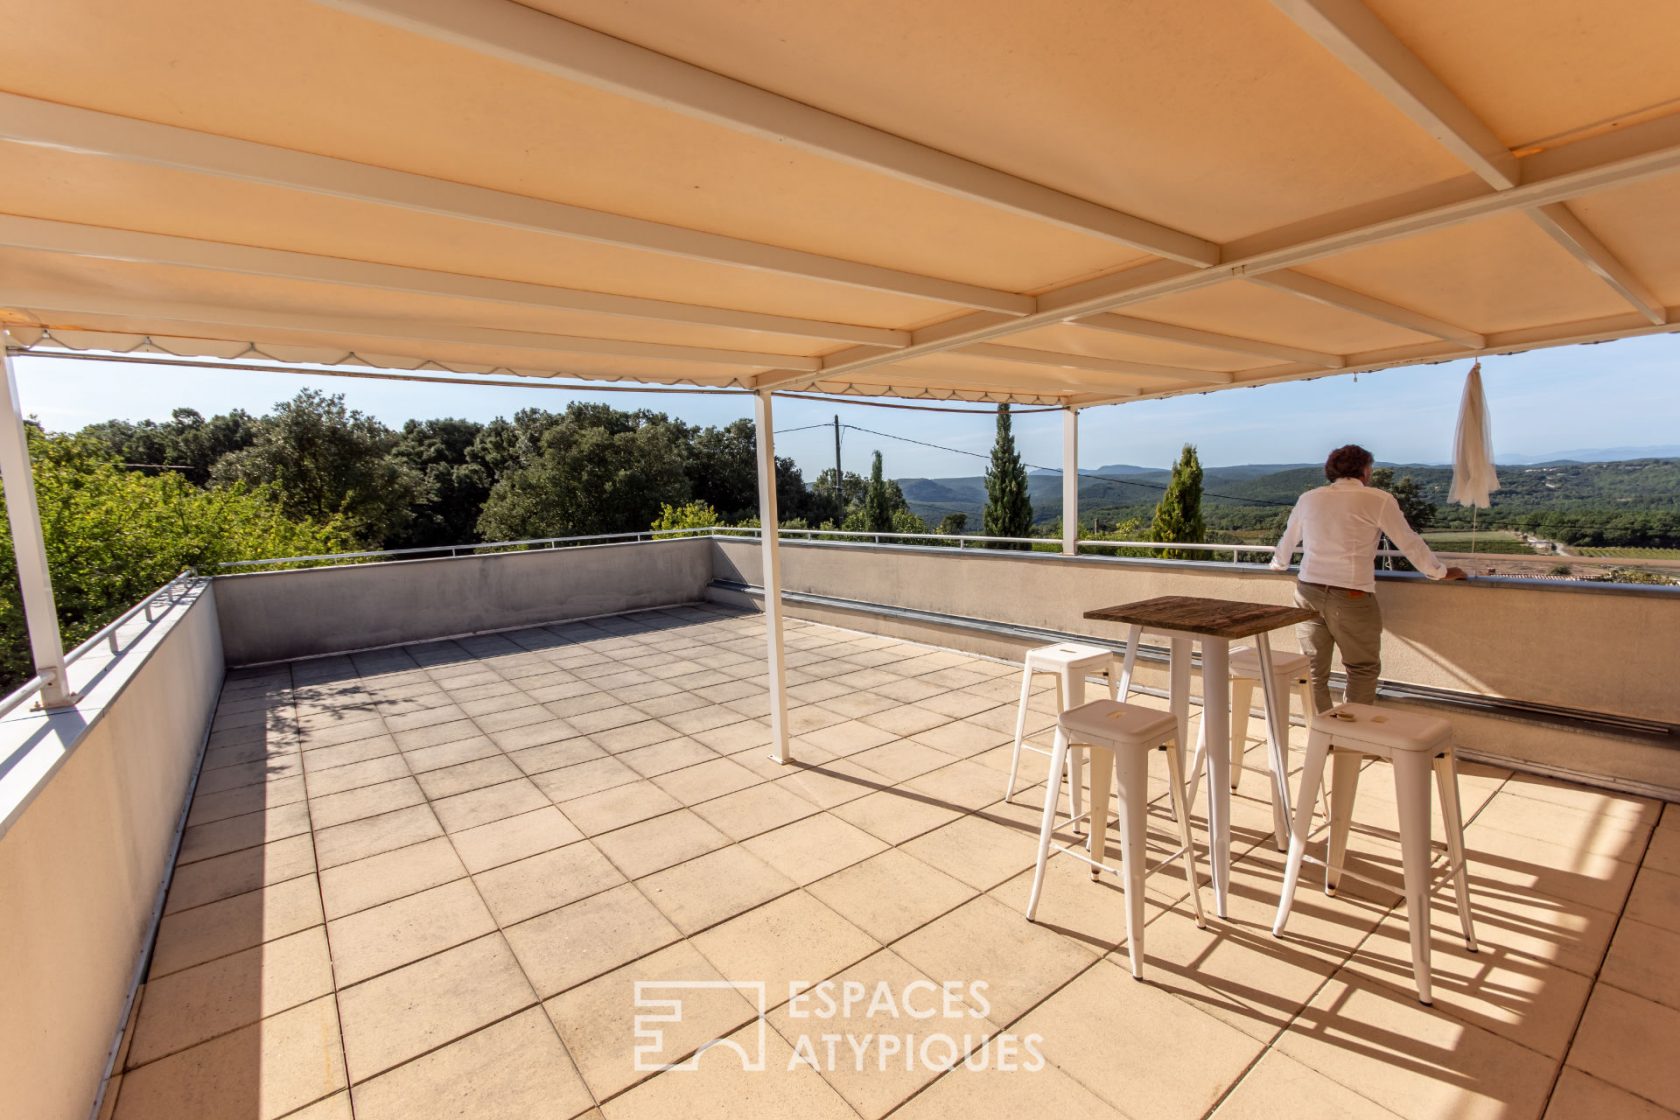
[[1474, 478]]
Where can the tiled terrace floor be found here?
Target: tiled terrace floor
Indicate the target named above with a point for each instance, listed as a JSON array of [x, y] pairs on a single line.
[[422, 883]]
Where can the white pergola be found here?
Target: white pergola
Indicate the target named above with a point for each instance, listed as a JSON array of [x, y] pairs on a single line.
[[957, 200]]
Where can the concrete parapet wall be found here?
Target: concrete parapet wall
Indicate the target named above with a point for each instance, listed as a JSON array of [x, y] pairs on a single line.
[[277, 616]]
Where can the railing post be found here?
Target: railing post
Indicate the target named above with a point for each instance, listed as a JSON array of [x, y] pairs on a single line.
[[39, 611], [770, 548], [1070, 481]]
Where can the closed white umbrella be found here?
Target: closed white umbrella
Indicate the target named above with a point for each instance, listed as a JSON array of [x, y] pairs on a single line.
[[1474, 478]]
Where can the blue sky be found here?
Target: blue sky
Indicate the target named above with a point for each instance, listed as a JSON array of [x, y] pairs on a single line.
[[1616, 394]]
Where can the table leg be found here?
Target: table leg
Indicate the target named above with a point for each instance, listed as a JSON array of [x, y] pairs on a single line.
[[1277, 741], [1102, 779], [1216, 725]]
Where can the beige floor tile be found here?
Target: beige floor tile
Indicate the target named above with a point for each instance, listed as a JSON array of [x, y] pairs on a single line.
[[980, 852], [491, 803], [1645, 959], [963, 738], [263, 826], [1420, 1063], [662, 758], [379, 879], [543, 882], [565, 947], [1582, 798], [721, 1089], [1579, 1096], [891, 894], [335, 1107], [1561, 932], [491, 845], [618, 806], [828, 785], [895, 815], [402, 1014], [512, 1070], [1004, 1080], [323, 760], [325, 783], [433, 729], [880, 1030], [961, 785], [813, 848], [794, 940], [259, 1072], [210, 807], [598, 1021], [1501, 861], [237, 872], [633, 736], [1080, 1024], [757, 809], [553, 756], [984, 941], [448, 781], [849, 737], [712, 777], [713, 888], [189, 1007], [204, 933], [367, 801], [331, 731], [377, 940], [653, 845], [742, 736], [1664, 852], [1629, 1042], [584, 779], [905, 719], [1601, 831], [372, 836], [901, 760], [1656, 899], [425, 759], [1279, 1086]]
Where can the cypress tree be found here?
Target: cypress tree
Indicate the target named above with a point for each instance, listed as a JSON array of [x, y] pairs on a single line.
[[877, 508], [1178, 516], [1008, 508]]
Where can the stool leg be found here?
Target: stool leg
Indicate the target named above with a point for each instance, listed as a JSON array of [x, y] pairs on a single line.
[[1197, 762], [1070, 693], [1047, 825], [1132, 766], [1344, 779], [1181, 811], [1102, 780], [1446, 777], [1129, 663], [1412, 795], [1318, 747], [1242, 699], [1304, 687], [1020, 729]]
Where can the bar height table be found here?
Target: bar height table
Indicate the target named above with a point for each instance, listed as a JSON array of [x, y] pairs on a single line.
[[1214, 623]]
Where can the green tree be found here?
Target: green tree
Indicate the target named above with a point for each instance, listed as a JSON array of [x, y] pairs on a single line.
[[1009, 510], [1178, 515], [115, 535], [954, 524], [693, 515], [329, 462], [186, 442], [1418, 510], [453, 486], [877, 506]]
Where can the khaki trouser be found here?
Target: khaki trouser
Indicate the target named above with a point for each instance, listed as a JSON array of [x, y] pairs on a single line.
[[1349, 621]]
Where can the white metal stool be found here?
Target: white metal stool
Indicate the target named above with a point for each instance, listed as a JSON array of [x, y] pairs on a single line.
[[1070, 663], [1415, 744], [1120, 737], [1289, 670]]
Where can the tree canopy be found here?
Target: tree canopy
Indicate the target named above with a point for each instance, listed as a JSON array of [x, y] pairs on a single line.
[[1008, 508], [1178, 515]]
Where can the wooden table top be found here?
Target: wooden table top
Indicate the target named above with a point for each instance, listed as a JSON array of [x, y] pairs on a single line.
[[1217, 618]]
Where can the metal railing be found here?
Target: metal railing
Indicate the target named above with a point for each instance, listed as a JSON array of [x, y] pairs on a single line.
[[170, 593]]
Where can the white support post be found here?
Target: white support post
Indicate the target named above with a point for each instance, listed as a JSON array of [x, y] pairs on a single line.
[[770, 536], [1070, 482], [40, 613]]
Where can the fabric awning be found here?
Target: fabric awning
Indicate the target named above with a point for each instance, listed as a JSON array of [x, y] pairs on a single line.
[[958, 198]]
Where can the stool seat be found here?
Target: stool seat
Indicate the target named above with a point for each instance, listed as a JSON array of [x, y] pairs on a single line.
[[1068, 655], [1395, 729], [1245, 662], [1110, 721]]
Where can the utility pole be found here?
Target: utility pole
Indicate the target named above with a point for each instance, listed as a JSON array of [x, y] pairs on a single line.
[[839, 476]]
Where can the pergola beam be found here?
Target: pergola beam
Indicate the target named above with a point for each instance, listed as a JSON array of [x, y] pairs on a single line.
[[24, 120], [550, 45], [1359, 39], [1354, 35], [1114, 323], [1346, 299], [102, 243], [1561, 225], [190, 316], [1035, 357]]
